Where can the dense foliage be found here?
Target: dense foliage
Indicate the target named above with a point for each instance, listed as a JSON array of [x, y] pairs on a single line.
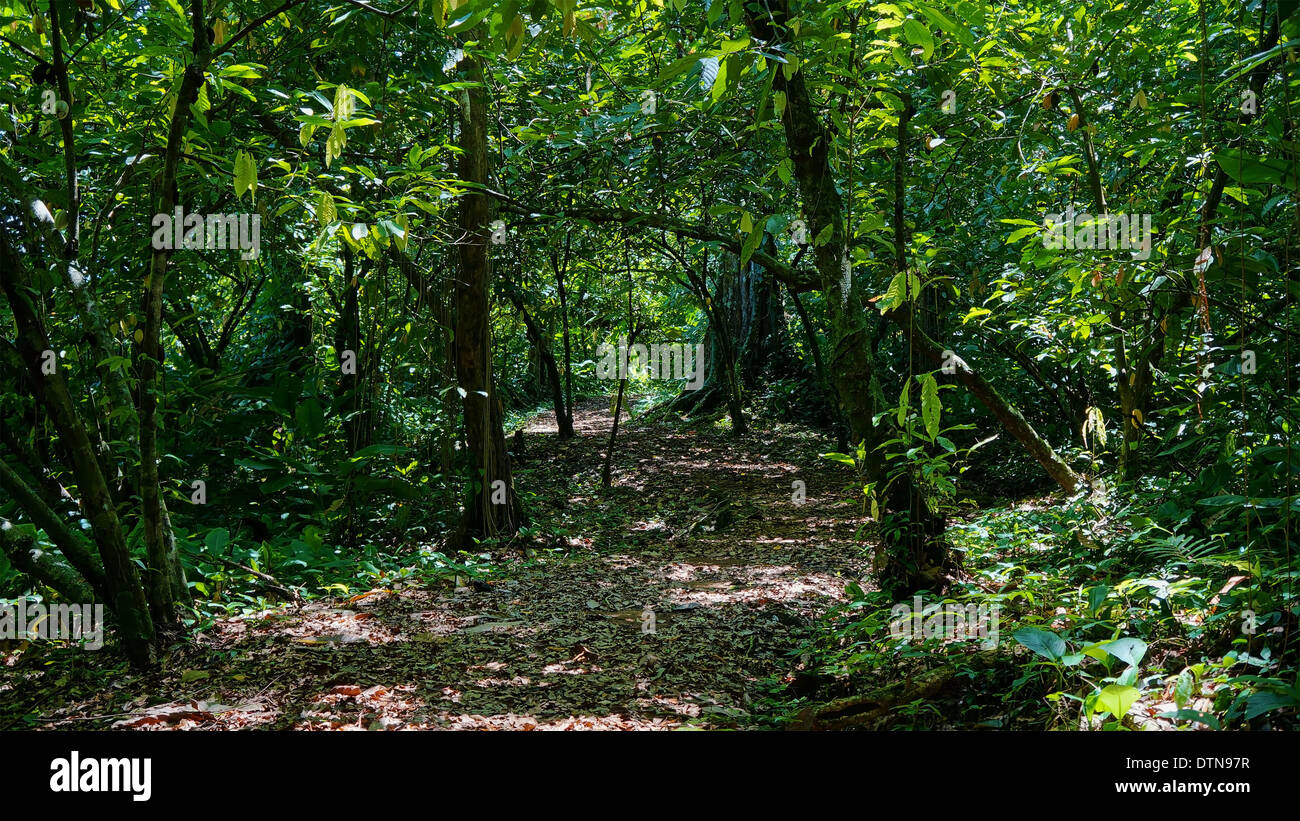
[[1028, 268]]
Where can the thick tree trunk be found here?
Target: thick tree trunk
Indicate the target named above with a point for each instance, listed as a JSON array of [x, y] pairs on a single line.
[[495, 509]]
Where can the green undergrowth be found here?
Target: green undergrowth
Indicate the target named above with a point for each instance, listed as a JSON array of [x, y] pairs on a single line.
[[1131, 602]]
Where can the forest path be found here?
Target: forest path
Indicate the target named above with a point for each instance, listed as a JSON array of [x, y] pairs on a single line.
[[699, 526]]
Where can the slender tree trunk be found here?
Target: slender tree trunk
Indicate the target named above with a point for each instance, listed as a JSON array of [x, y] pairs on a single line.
[[538, 337], [565, 424], [606, 469], [1007, 414], [125, 592], [841, 430], [347, 393], [149, 355]]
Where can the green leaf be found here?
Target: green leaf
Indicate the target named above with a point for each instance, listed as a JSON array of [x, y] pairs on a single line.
[[1184, 688], [334, 145], [325, 210], [1096, 597], [402, 237], [515, 37], [1116, 699], [751, 244], [897, 293], [919, 35], [1021, 233], [1043, 642], [245, 175], [1230, 500], [1266, 701], [1193, 715], [1128, 650], [943, 21], [708, 73], [930, 405], [785, 170], [1245, 168], [310, 418], [904, 402], [678, 67], [344, 104], [217, 539], [720, 82]]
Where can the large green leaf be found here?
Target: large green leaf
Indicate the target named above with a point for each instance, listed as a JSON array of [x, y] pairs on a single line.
[[1043, 642], [919, 35], [310, 418], [1246, 168], [1128, 650], [1116, 699]]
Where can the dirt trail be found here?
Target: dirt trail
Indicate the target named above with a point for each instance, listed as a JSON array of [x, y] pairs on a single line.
[[699, 533]]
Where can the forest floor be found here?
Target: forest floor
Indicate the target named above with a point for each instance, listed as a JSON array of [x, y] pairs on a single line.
[[676, 598]]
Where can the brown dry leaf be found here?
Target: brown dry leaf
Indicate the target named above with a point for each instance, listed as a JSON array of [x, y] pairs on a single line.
[[169, 714]]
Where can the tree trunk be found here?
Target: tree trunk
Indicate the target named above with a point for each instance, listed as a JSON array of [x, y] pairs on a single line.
[[20, 549], [852, 361], [125, 593], [149, 354], [765, 348], [495, 509], [814, 346], [552, 372], [565, 424]]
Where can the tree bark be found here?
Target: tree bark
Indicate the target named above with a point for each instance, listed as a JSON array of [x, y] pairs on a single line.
[[482, 409], [161, 562], [125, 593], [23, 554]]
